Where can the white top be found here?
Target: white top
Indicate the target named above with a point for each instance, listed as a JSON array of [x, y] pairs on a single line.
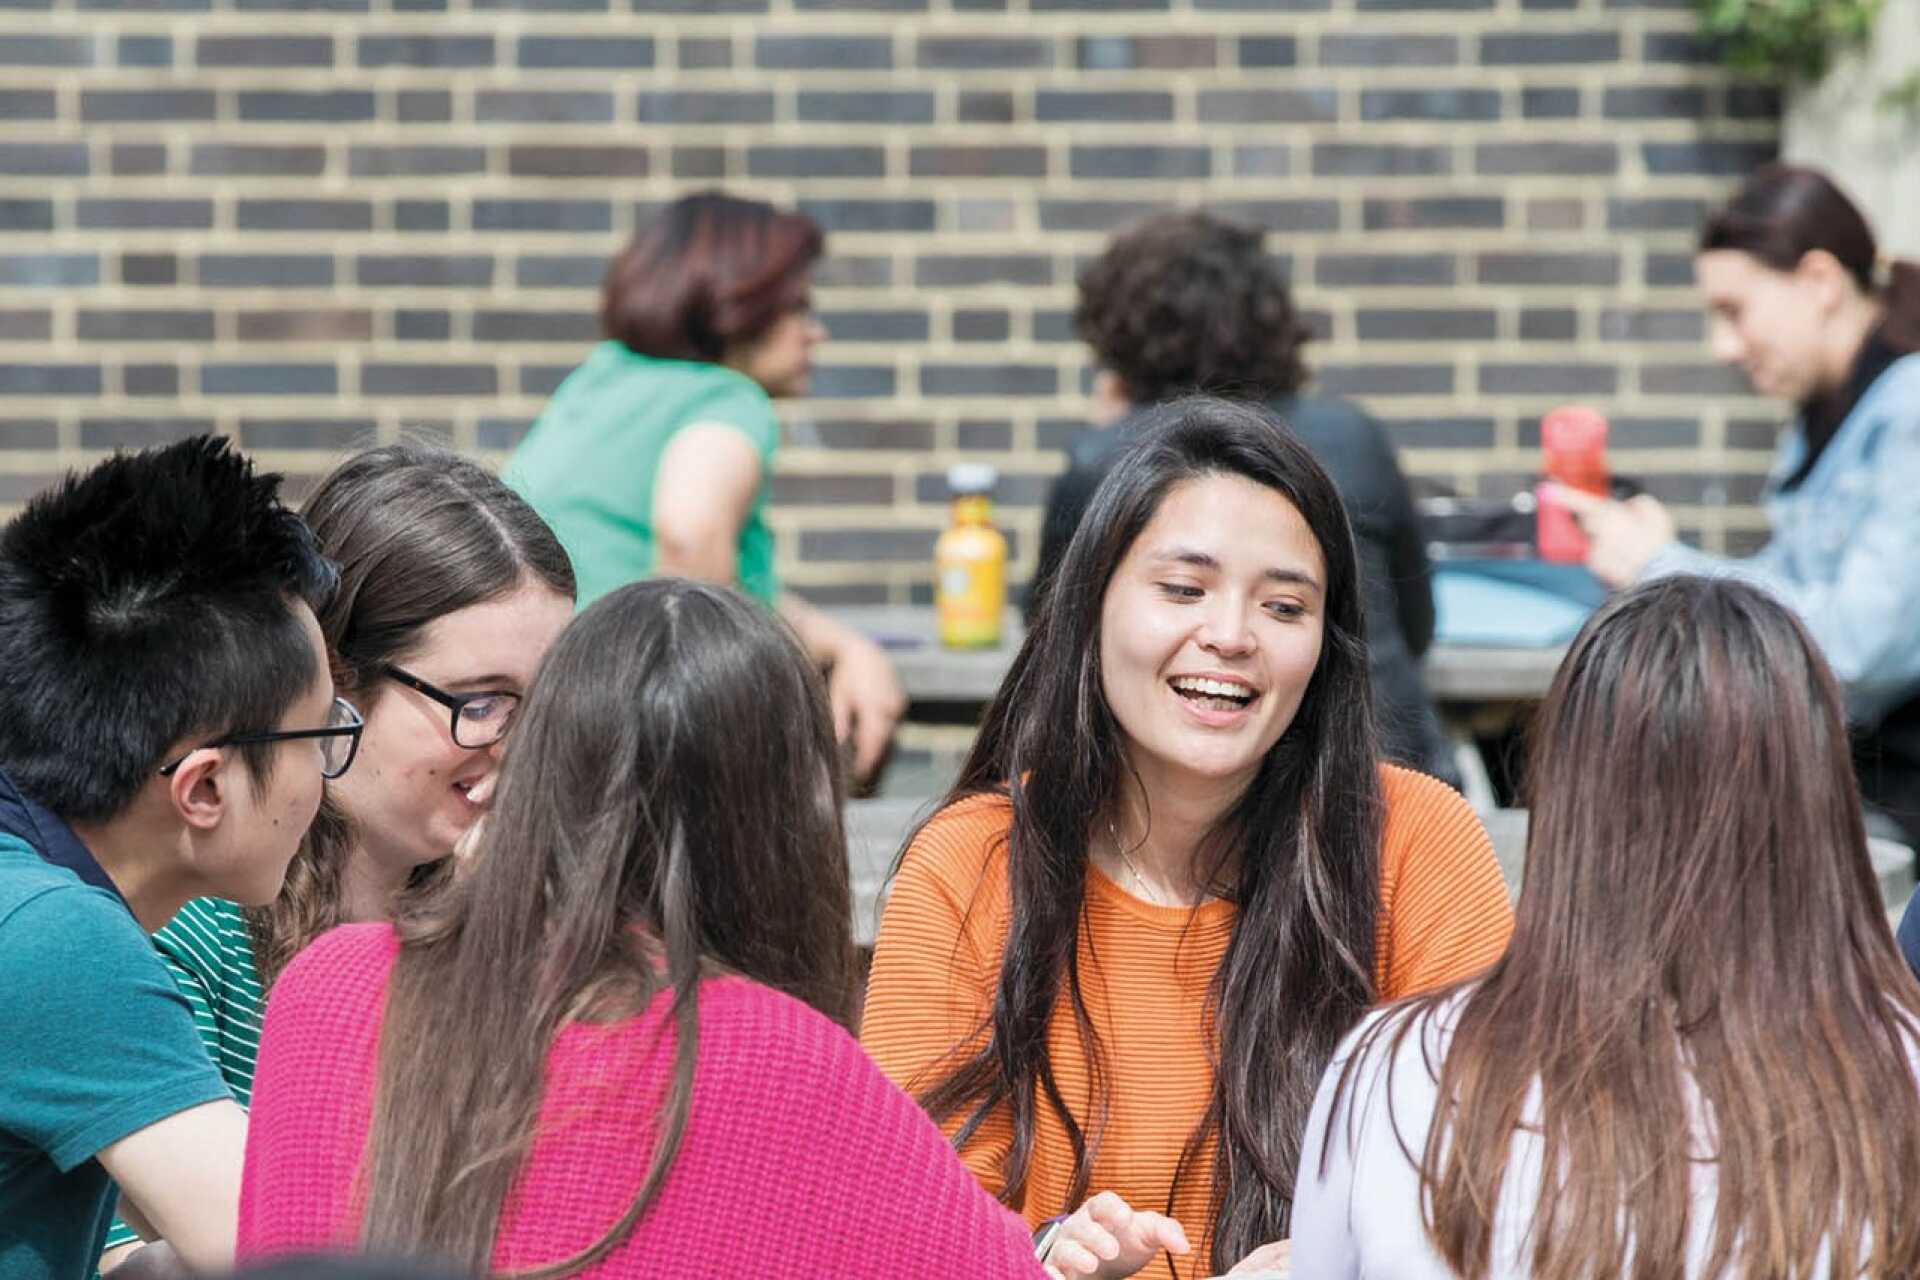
[[1363, 1217]]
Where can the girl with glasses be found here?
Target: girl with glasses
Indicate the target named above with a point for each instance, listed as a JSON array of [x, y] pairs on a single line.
[[451, 590]]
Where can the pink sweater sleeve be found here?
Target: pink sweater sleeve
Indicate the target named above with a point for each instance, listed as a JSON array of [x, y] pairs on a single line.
[[312, 1095]]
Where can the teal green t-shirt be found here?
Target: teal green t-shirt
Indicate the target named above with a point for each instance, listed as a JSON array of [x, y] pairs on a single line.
[[589, 463], [209, 952], [99, 1044]]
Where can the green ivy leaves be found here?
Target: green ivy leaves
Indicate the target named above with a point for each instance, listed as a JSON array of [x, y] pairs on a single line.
[[1787, 39]]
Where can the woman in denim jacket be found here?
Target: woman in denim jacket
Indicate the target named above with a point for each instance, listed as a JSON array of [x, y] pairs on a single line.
[[1788, 268]]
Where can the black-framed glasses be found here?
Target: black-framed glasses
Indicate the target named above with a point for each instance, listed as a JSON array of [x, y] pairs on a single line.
[[339, 740], [479, 719]]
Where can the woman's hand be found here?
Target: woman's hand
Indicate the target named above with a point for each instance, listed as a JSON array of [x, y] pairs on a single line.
[[867, 700], [1107, 1238], [1268, 1262], [1623, 536]]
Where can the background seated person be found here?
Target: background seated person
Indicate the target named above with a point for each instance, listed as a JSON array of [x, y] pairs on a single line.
[[1186, 302]]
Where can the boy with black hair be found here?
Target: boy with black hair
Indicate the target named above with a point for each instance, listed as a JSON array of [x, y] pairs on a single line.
[[166, 718]]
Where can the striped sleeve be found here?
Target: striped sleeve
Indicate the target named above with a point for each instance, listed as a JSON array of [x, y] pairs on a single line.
[[1445, 909]]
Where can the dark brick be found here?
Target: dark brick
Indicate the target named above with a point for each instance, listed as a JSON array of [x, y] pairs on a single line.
[[149, 269], [1655, 102], [865, 6], [597, 53], [49, 270], [1094, 215], [256, 160], [1555, 159], [281, 379], [705, 107], [1139, 162], [1556, 214], [1413, 6], [1549, 269], [144, 51], [543, 215], [1659, 213], [816, 162], [1268, 106], [535, 326], [1682, 47], [535, 106], [27, 104], [832, 490], [151, 380], [30, 433], [705, 53], [145, 326], [137, 159], [143, 215], [1692, 380], [304, 215], [415, 161], [337, 105], [1441, 433], [1539, 48], [1430, 104], [424, 271], [852, 382], [422, 215], [1458, 324], [558, 271], [46, 51], [306, 324], [1642, 433], [44, 159], [1158, 53], [1375, 160], [1713, 158], [544, 6], [1670, 269], [426, 51], [332, 435], [1340, 49], [823, 53], [913, 546], [1269, 51], [540, 161], [316, 6], [1549, 324], [438, 378], [20, 324], [501, 433], [1282, 215], [983, 53], [1014, 489], [1091, 6], [699, 162], [26, 215], [1754, 102], [49, 379], [985, 107], [1103, 106], [995, 437], [1265, 6], [871, 215], [265, 271], [854, 271], [1552, 102], [422, 326], [1385, 379], [1264, 160], [1556, 379], [140, 433], [145, 106], [876, 326], [945, 271], [1432, 213], [1652, 324], [982, 326], [978, 162], [1382, 270], [264, 51], [873, 106]]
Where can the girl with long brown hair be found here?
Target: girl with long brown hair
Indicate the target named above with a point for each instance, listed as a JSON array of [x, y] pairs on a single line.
[[609, 1047], [1174, 871], [1697, 1058]]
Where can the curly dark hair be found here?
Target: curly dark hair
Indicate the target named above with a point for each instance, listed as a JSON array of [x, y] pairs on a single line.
[[1186, 302]]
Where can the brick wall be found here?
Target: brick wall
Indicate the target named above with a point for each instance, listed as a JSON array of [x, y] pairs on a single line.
[[314, 223]]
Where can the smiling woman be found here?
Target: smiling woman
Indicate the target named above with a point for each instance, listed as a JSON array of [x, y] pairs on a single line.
[[1174, 871]]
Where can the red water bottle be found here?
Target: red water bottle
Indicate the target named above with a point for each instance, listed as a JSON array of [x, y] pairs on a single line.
[[1573, 443]]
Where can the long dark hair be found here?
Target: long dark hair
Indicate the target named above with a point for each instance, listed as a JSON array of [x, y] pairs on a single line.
[[1700, 936], [1298, 855], [1782, 213], [417, 533], [710, 271], [669, 808]]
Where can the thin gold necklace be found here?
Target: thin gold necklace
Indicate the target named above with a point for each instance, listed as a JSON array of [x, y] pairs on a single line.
[[1140, 881]]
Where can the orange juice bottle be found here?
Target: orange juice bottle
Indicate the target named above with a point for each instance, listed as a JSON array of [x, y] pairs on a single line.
[[970, 563]]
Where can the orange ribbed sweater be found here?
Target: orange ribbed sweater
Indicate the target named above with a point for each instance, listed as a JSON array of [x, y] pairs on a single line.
[[1145, 970]]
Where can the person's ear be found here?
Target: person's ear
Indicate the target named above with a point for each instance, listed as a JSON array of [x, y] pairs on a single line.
[[198, 789], [1820, 271]]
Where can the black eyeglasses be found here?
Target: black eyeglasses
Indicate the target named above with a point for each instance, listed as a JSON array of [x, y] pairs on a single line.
[[479, 719], [339, 740]]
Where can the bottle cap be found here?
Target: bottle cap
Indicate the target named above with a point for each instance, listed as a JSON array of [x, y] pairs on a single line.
[[967, 478]]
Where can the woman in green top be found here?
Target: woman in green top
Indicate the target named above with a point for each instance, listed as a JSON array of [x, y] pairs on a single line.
[[451, 591], [653, 456]]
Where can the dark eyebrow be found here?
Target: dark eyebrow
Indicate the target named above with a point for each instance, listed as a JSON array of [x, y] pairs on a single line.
[[1201, 560]]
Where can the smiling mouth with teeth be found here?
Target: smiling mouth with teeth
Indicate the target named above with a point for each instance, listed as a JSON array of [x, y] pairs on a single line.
[[1213, 695]]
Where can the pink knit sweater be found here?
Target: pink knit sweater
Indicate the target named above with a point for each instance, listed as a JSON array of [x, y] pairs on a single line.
[[800, 1159]]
